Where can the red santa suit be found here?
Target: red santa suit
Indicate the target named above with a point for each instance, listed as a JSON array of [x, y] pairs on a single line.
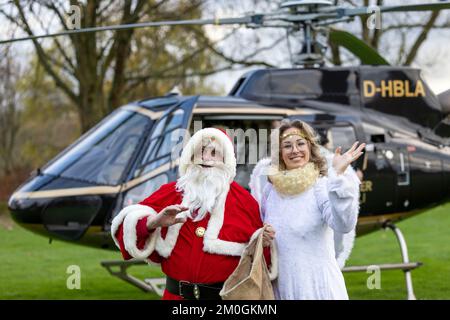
[[185, 254]]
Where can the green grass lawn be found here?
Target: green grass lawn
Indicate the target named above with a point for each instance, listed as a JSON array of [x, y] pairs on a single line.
[[31, 268], [428, 239]]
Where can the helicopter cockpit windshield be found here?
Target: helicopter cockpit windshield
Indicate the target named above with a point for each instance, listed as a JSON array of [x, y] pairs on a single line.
[[101, 156]]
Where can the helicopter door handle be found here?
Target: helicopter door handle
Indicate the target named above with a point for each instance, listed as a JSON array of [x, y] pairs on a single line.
[[403, 175]]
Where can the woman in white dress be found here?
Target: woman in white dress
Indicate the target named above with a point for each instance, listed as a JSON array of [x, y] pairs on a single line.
[[311, 208]]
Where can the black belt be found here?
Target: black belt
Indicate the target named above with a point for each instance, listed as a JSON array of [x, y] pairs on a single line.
[[194, 291]]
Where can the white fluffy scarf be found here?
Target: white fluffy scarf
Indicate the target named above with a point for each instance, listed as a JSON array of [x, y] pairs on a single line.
[[294, 181]]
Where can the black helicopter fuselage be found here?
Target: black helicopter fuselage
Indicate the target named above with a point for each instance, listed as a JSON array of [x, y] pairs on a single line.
[[127, 156]]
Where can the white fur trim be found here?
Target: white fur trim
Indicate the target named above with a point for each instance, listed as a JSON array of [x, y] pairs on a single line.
[[258, 178], [211, 241], [259, 184], [346, 242], [116, 222], [343, 242], [130, 216], [196, 140], [273, 270], [222, 247], [165, 246]]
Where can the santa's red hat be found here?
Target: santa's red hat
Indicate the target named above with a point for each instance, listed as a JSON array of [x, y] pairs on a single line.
[[216, 135]]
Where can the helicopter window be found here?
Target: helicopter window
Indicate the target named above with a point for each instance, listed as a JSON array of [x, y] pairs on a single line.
[[140, 192], [339, 136], [104, 154], [163, 139]]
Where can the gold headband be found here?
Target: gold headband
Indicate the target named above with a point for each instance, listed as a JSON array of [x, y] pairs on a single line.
[[293, 133]]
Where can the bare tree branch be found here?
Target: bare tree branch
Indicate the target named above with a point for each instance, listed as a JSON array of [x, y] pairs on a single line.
[[421, 38], [245, 60], [43, 58], [414, 26]]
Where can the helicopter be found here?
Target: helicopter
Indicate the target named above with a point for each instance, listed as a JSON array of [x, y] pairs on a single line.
[[130, 154]]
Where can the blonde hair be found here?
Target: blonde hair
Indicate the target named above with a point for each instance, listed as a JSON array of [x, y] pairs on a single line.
[[313, 142]]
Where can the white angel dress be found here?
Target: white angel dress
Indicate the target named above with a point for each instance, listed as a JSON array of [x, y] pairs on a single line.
[[314, 232]]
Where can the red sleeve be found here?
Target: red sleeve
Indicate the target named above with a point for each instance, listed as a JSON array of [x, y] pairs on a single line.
[[163, 197], [119, 237], [142, 234], [166, 195], [266, 252]]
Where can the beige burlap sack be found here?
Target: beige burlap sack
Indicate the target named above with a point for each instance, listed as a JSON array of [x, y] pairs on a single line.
[[250, 280]]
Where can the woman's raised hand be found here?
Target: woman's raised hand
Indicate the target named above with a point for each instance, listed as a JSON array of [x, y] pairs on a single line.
[[167, 217], [342, 161]]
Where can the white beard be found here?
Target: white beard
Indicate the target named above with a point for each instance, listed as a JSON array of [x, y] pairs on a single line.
[[202, 187]]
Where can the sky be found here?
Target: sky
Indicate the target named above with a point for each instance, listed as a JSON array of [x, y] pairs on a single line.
[[438, 75]]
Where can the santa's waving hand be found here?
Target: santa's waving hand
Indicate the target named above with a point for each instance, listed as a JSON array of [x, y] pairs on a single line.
[[196, 227], [167, 217]]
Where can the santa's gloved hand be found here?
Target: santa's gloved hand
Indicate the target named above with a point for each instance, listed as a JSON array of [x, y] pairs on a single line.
[[167, 217], [268, 235]]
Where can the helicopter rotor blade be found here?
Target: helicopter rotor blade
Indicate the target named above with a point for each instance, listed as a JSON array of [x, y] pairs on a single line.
[[255, 20], [250, 20], [400, 8], [331, 13]]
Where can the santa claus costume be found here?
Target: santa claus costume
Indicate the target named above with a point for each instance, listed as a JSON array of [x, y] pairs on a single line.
[[199, 254]]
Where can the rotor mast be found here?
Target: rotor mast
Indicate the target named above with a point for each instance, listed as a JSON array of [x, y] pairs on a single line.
[[312, 51]]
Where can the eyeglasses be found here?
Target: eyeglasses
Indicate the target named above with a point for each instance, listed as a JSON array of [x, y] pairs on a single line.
[[290, 146]]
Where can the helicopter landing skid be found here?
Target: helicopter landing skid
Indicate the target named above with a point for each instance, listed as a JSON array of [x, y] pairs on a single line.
[[406, 265], [148, 285]]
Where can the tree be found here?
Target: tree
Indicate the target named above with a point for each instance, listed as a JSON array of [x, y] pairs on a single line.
[[49, 121], [9, 110], [81, 65], [100, 71]]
